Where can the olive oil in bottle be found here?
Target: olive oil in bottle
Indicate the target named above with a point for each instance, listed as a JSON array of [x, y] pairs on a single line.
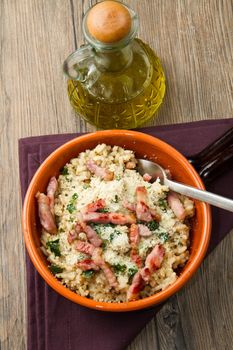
[[120, 84]]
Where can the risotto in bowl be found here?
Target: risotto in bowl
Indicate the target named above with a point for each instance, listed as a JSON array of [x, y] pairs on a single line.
[[104, 235]]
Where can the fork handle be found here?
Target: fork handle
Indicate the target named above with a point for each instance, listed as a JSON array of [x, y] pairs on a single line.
[[204, 196], [221, 163], [198, 160]]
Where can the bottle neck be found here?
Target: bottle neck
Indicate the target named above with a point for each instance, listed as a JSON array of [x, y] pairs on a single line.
[[116, 56], [114, 61]]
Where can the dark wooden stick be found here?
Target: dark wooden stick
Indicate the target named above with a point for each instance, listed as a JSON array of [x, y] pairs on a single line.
[[202, 159]]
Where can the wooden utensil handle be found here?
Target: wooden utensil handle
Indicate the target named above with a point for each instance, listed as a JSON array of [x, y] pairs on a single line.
[[200, 159]]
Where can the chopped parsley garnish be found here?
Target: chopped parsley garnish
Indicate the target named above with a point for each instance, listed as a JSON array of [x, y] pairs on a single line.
[[65, 171], [103, 210], [117, 232], [118, 177], [162, 203], [75, 196], [104, 244], [70, 207], [95, 227], [109, 225], [54, 247], [163, 236], [55, 269], [111, 237], [88, 273], [118, 268], [60, 230], [114, 234], [132, 271], [152, 226], [116, 199]]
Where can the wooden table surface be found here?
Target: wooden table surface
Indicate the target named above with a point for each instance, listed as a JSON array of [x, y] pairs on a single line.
[[194, 40]]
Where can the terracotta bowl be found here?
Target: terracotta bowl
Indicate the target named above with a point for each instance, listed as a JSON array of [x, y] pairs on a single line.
[[144, 146]]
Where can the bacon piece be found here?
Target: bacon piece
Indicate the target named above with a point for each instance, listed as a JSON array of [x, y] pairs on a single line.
[[99, 261], [51, 189], [146, 274], [78, 228], [87, 264], [100, 172], [156, 216], [85, 247], [142, 210], [129, 206], [155, 258], [105, 218], [91, 235], [153, 262], [147, 177], [97, 205], [176, 205], [122, 219], [46, 217], [135, 257], [130, 165], [134, 239], [144, 230], [141, 194], [101, 218], [136, 286], [72, 235]]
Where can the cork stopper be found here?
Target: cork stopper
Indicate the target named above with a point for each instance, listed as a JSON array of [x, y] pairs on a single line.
[[109, 21]]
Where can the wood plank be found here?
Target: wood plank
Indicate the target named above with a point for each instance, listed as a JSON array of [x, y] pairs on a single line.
[[195, 43], [35, 38]]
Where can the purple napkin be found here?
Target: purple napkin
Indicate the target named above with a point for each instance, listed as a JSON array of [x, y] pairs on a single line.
[[53, 321]]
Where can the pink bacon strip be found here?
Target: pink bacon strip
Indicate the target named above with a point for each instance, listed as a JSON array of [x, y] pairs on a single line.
[[87, 264], [72, 236], [147, 177], [51, 189], [152, 263], [176, 205], [99, 261], [129, 206], [96, 254], [100, 172], [85, 247], [144, 230], [121, 219], [97, 205], [106, 218], [134, 239], [135, 288], [143, 212], [46, 216], [91, 235]]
